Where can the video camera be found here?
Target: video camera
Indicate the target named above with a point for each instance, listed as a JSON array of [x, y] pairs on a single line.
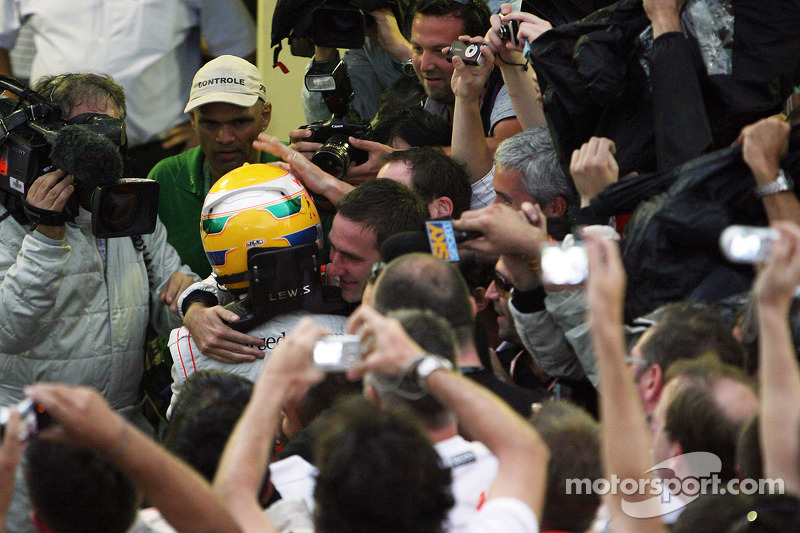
[[331, 79], [35, 140]]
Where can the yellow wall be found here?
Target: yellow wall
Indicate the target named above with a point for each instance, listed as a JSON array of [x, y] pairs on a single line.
[[283, 89]]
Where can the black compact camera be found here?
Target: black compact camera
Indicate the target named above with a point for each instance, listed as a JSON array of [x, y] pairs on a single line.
[[332, 80], [508, 31], [35, 140], [469, 52]]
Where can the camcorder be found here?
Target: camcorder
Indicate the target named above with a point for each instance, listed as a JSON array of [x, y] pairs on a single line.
[[332, 80], [34, 140], [328, 23]]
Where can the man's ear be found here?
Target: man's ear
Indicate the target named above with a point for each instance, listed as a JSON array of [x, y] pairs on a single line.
[[558, 207], [479, 296], [441, 207], [651, 383], [266, 115]]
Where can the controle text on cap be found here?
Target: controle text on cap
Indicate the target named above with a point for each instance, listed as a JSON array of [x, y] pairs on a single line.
[[228, 79]]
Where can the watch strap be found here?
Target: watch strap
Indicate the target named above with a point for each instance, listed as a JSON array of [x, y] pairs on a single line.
[[781, 183]]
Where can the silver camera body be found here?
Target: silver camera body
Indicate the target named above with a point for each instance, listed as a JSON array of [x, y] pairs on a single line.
[[337, 353], [747, 244]]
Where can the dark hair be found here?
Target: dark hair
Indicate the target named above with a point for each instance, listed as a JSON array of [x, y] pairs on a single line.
[[748, 451], [72, 90], [74, 490], [421, 281], [573, 437], [378, 472], [435, 174], [688, 330], [712, 513], [385, 206], [434, 334], [475, 14], [205, 413], [324, 395], [695, 418], [412, 124]]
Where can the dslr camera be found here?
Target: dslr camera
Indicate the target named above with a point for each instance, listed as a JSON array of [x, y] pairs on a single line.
[[35, 140], [332, 80]]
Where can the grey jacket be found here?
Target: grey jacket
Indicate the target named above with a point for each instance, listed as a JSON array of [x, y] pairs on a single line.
[[63, 318]]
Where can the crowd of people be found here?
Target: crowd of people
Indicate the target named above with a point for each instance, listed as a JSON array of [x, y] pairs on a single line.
[[511, 313]]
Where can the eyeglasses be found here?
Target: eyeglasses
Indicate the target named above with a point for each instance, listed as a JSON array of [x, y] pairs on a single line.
[[502, 285]]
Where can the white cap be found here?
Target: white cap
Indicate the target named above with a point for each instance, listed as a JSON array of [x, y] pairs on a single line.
[[227, 79]]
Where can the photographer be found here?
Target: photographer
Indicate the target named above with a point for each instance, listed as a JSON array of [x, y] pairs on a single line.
[[373, 67], [75, 308]]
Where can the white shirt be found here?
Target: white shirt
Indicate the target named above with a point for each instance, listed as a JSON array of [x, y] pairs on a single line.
[[472, 465], [150, 47], [188, 359]]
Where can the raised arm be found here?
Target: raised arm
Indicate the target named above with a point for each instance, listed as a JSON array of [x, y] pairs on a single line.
[[287, 375], [84, 419], [763, 146], [621, 409], [522, 455], [519, 77], [469, 144], [779, 375]]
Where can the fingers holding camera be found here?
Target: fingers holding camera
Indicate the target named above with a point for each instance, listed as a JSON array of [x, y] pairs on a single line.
[[386, 346], [531, 27], [368, 170], [82, 416], [605, 287], [776, 282], [291, 362], [298, 142], [50, 192]]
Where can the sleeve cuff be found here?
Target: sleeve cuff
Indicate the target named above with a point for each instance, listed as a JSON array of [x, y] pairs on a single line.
[[531, 301]]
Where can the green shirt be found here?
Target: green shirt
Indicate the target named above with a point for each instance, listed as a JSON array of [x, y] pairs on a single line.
[[183, 190]]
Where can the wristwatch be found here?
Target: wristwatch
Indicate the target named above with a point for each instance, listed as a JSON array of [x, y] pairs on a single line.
[[408, 68], [780, 184], [428, 364]]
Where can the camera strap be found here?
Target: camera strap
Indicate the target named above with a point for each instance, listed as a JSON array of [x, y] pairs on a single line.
[[47, 217], [21, 116]]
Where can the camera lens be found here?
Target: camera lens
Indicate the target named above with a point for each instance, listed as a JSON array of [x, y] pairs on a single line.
[[334, 156], [505, 32], [120, 208]]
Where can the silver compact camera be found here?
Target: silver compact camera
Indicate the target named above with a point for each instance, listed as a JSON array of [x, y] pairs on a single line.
[[33, 418], [508, 31], [564, 265], [337, 353], [747, 244]]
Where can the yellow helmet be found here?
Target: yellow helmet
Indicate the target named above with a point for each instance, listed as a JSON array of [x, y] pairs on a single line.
[[255, 206]]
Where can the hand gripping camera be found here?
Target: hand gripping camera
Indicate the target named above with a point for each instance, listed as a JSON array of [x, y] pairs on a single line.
[[35, 140], [331, 79]]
